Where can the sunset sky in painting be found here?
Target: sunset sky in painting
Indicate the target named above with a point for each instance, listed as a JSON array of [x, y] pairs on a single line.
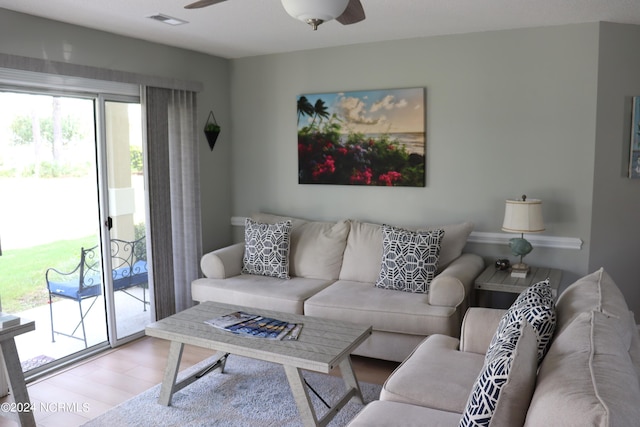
[[375, 111]]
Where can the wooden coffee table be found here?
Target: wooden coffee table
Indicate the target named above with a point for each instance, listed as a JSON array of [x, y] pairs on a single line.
[[322, 346]]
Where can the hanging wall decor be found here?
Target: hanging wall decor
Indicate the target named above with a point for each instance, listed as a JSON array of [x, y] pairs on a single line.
[[371, 138], [211, 130], [634, 156]]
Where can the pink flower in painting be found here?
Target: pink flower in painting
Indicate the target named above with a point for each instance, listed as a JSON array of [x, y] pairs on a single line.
[[390, 178], [325, 168], [360, 177]]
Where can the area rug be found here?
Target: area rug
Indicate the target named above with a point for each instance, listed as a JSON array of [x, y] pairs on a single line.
[[250, 393]]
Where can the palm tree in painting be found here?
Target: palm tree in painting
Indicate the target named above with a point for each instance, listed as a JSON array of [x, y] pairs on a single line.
[[319, 110], [305, 108]]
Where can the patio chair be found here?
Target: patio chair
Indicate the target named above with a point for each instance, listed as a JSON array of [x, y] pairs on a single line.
[[129, 270], [129, 267], [83, 282]]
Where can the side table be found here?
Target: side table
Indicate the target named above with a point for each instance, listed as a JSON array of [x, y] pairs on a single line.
[[11, 363], [494, 280]]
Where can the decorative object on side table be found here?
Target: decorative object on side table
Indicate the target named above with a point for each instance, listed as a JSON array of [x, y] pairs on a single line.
[[522, 216], [503, 264], [211, 130]]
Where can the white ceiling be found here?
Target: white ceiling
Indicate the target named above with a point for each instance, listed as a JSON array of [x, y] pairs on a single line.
[[239, 28]]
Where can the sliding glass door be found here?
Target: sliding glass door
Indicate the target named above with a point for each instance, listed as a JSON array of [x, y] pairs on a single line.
[[123, 172], [72, 222], [50, 224]]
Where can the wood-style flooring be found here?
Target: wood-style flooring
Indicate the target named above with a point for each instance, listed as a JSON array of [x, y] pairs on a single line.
[[91, 387]]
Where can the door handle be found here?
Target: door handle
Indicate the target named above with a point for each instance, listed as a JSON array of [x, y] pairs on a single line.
[[109, 223]]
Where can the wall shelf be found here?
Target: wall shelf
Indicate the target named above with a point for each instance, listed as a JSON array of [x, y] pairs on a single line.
[[537, 240]]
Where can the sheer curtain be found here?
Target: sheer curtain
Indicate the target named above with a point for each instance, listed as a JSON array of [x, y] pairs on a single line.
[[174, 194]]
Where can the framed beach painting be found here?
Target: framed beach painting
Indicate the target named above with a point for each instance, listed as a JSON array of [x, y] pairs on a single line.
[[634, 158], [369, 137]]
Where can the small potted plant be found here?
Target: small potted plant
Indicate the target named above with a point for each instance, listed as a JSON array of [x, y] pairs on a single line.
[[211, 130]]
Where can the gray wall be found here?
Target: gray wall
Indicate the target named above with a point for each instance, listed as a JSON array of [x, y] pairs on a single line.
[[540, 111], [615, 231], [508, 112], [34, 37]]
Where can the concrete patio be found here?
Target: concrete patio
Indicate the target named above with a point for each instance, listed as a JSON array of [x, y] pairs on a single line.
[[131, 319]]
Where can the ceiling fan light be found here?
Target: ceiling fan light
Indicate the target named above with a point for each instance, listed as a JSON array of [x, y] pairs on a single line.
[[315, 10]]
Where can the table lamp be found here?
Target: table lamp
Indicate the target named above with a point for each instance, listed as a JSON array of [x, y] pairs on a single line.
[[522, 216]]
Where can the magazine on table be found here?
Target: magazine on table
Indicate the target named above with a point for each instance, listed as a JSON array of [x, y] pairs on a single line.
[[231, 319], [254, 325]]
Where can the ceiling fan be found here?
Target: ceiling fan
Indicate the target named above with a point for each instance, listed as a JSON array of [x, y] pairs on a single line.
[[313, 12]]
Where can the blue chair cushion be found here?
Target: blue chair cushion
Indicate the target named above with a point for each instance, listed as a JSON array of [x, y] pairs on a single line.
[[71, 289], [126, 277]]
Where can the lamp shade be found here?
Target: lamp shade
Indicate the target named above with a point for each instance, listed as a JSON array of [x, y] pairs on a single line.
[[323, 10], [523, 216]]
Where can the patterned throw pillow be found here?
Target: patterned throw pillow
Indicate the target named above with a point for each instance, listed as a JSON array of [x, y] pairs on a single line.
[[409, 259], [536, 306], [502, 392], [266, 250]]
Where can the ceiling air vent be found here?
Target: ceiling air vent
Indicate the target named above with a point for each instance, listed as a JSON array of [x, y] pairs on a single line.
[[167, 19]]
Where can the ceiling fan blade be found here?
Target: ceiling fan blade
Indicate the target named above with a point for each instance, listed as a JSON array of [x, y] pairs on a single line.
[[352, 14], [202, 3]]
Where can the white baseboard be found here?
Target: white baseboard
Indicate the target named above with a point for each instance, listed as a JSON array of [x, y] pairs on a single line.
[[482, 237]]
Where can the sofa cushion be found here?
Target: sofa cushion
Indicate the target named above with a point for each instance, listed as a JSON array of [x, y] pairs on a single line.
[[362, 255], [502, 391], [364, 249], [385, 310], [535, 305], [596, 291], [384, 414], [436, 375], [453, 242], [409, 259], [587, 375], [317, 247], [266, 250], [269, 293]]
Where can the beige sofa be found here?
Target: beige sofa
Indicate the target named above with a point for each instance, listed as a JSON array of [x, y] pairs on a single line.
[[589, 377], [333, 267]]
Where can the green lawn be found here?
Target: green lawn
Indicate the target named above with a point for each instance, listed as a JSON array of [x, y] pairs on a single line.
[[22, 271]]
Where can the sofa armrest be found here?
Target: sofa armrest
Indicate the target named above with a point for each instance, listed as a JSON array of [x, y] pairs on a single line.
[[224, 262], [478, 327], [452, 286]]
